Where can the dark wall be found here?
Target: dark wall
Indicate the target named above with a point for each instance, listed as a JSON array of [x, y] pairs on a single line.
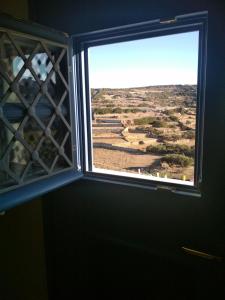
[[22, 271], [22, 266], [100, 234]]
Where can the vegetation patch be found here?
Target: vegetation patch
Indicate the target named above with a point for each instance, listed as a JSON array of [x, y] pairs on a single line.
[[171, 149], [166, 137], [153, 133], [178, 160], [159, 123], [144, 121], [174, 118], [190, 134], [183, 126], [116, 110], [170, 112]]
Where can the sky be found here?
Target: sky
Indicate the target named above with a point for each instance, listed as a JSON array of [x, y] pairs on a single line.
[[171, 59]]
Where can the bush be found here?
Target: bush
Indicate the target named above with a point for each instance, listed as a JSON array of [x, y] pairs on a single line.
[[103, 110], [173, 137], [116, 110], [157, 149], [170, 112], [132, 110], [140, 129], [172, 126], [144, 121], [159, 123], [180, 110], [190, 134], [171, 149], [153, 133], [177, 159], [184, 127], [174, 118]]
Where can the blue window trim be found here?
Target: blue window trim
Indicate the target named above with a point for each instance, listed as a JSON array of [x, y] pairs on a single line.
[[77, 45], [23, 194], [39, 186], [158, 27]]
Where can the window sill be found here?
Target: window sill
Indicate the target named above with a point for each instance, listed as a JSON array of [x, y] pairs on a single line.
[[142, 181]]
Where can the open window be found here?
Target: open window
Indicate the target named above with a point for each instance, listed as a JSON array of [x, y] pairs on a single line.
[[143, 102], [123, 105]]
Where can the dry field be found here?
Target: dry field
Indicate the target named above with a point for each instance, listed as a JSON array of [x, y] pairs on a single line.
[[149, 130]]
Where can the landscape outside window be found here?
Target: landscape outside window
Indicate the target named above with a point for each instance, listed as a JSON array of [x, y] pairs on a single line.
[[143, 101]]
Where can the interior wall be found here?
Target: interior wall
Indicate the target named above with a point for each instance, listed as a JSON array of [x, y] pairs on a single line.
[[22, 272], [17, 9], [100, 234], [22, 268]]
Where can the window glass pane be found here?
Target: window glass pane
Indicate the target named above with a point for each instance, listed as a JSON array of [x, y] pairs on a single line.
[[35, 128], [143, 102]]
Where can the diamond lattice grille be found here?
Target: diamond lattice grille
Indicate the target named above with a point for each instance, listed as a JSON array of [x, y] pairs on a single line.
[[35, 128]]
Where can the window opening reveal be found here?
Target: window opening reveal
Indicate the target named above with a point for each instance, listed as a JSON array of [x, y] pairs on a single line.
[[143, 106]]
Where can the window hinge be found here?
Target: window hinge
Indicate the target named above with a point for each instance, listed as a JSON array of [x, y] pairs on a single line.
[[70, 69], [201, 254], [167, 21], [165, 187]]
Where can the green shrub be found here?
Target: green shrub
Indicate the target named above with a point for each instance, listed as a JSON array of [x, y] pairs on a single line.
[[171, 125], [168, 112], [153, 132], [174, 118], [184, 127], [177, 159], [180, 110], [117, 110], [132, 110], [159, 123], [190, 134], [141, 129], [171, 149], [103, 110], [173, 137], [144, 121], [157, 149], [161, 136]]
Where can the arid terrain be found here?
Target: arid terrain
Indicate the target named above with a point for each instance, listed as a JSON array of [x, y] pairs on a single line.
[[146, 130]]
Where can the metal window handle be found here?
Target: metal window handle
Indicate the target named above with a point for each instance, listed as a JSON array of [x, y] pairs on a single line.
[[202, 254]]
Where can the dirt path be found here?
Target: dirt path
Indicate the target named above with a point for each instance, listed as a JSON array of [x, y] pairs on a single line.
[[121, 160]]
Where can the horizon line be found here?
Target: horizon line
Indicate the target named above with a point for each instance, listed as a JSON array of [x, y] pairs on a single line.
[[145, 86]]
